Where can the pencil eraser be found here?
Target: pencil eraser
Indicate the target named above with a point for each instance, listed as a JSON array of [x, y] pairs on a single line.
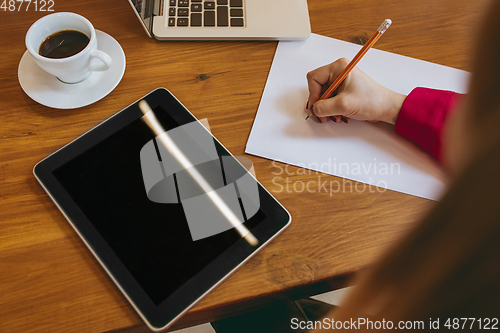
[[384, 26]]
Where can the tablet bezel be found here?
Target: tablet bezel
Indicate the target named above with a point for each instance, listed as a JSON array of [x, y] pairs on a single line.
[[178, 303]]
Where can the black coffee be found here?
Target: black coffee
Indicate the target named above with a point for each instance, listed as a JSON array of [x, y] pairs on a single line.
[[63, 44]]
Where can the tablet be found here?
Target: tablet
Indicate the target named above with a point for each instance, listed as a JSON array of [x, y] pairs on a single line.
[[165, 209]]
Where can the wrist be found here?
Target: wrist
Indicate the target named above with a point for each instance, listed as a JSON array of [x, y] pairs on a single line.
[[396, 103]]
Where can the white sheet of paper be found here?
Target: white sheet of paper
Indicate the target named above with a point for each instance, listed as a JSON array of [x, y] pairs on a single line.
[[360, 151]]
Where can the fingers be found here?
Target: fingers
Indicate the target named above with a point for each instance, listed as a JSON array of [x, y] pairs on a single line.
[[358, 97], [336, 106], [338, 119], [322, 77], [319, 80], [322, 119]]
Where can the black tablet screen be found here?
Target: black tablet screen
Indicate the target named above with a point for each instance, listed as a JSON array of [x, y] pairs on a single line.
[[153, 240]]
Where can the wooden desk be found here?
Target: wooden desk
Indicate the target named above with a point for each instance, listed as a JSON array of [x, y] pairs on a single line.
[[48, 279]]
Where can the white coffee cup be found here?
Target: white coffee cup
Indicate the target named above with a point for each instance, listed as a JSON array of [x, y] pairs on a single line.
[[75, 68]]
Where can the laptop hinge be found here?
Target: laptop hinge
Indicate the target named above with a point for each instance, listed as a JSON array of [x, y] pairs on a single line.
[[158, 8]]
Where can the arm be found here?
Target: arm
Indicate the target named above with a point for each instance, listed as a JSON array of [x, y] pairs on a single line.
[[419, 117], [423, 115]]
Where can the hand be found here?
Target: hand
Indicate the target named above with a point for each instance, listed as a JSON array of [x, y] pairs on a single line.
[[358, 97]]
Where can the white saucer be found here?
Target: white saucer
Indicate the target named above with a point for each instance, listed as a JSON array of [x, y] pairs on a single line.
[[47, 90]]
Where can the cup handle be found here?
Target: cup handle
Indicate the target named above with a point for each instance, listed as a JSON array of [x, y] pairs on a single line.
[[102, 65]]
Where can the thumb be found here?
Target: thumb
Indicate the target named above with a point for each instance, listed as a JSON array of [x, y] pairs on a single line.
[[335, 106]]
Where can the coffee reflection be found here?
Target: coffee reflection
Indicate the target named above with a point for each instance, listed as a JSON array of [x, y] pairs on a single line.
[[63, 44]]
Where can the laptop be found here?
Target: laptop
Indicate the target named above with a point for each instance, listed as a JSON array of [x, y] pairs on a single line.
[[224, 19]]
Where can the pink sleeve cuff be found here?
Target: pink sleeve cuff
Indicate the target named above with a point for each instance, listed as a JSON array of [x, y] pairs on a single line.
[[423, 116]]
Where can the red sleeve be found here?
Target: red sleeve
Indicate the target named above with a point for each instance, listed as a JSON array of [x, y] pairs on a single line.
[[423, 116]]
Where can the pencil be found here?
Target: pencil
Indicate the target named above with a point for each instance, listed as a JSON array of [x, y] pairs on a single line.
[[383, 28]]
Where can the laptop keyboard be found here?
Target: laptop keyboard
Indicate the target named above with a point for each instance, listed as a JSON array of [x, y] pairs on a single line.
[[206, 13]]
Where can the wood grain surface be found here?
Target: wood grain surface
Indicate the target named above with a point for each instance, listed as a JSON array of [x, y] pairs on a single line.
[[49, 281]]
